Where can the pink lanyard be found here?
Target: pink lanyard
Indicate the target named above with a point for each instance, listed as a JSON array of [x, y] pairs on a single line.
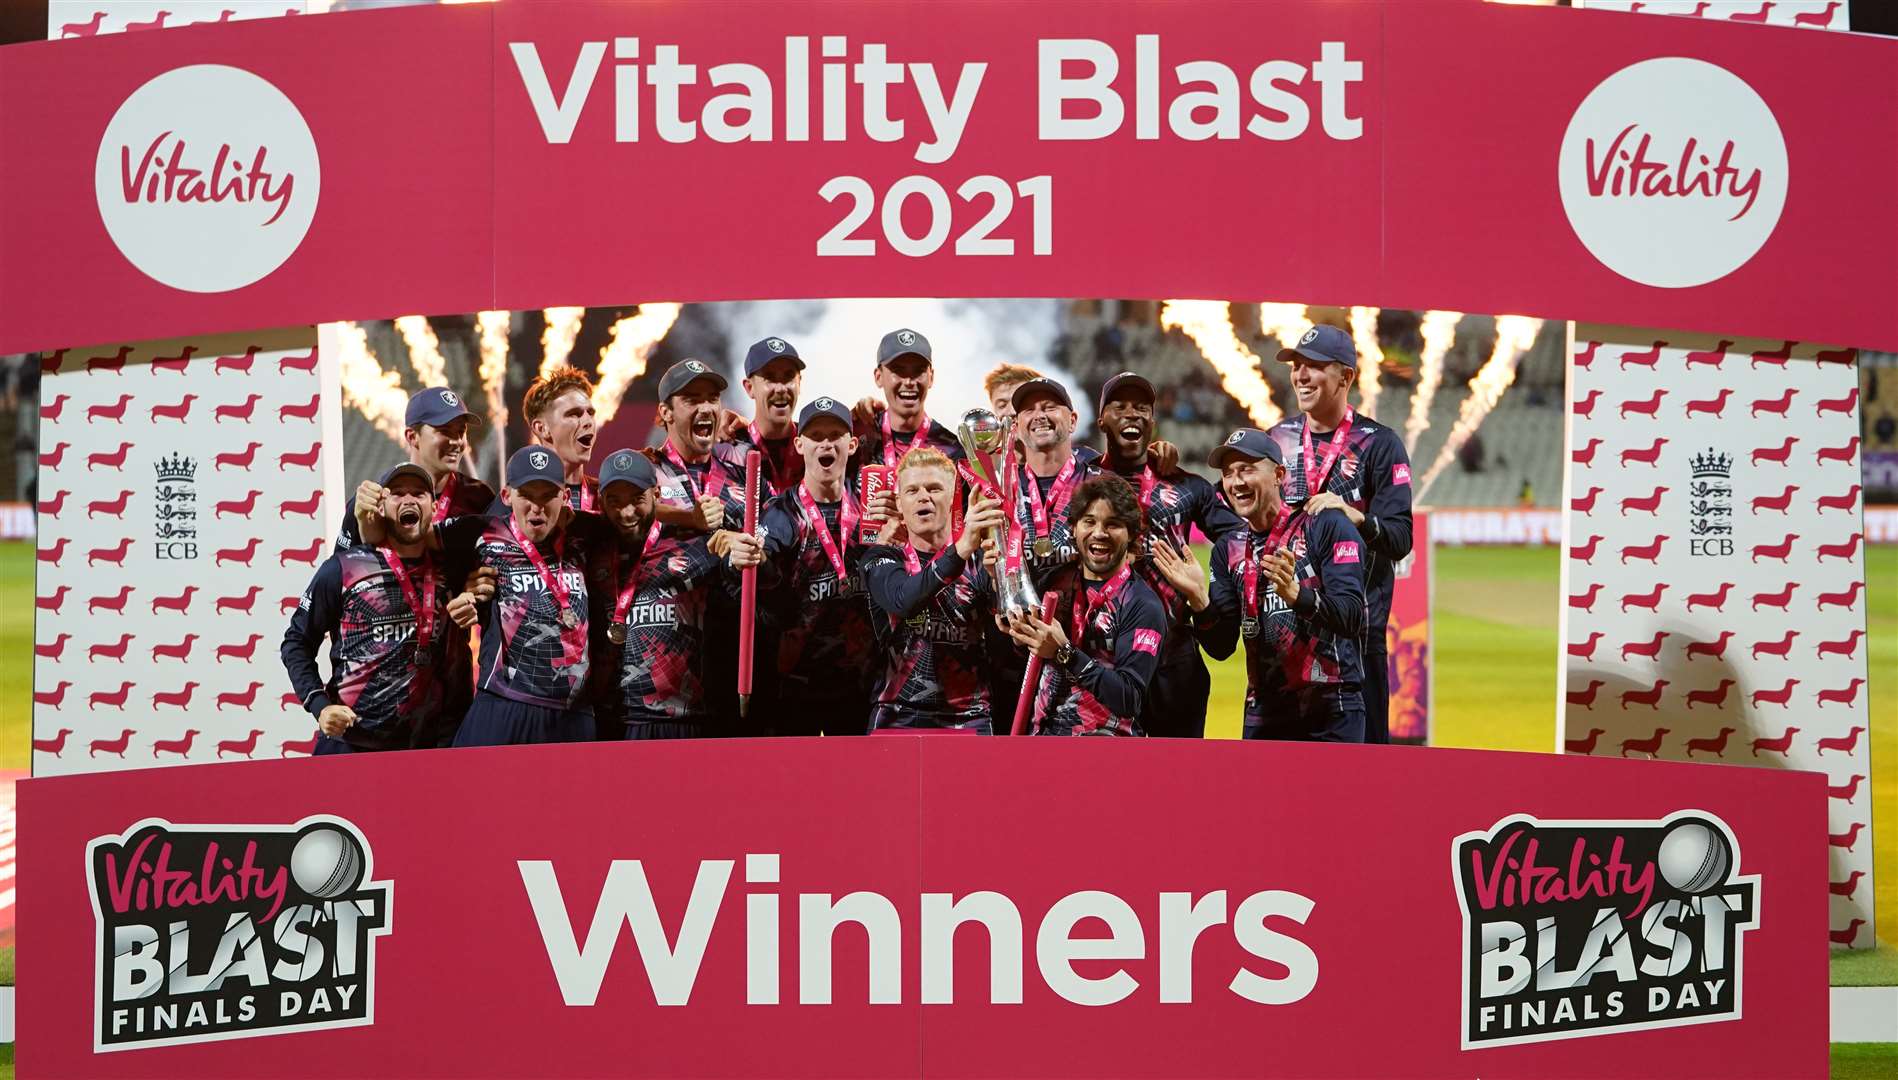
[[714, 476], [421, 600], [555, 585], [890, 456], [586, 497], [1058, 496], [1097, 599], [1315, 483], [442, 498], [1276, 537], [846, 525], [623, 603]]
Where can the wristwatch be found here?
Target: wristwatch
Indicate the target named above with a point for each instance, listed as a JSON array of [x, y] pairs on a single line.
[[1064, 654]]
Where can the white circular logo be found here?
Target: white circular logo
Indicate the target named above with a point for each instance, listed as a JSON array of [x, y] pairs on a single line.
[[694, 365], [823, 404], [537, 459], [623, 461], [1310, 336], [906, 338], [1235, 437], [1673, 172], [207, 178], [775, 344], [449, 399]]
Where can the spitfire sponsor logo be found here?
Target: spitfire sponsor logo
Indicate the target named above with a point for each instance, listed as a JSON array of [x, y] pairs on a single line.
[[211, 932], [1710, 505], [1578, 928]]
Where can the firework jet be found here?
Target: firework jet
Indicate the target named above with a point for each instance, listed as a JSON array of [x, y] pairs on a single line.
[[1515, 335], [425, 352], [1370, 356], [1209, 324], [375, 393], [1439, 333], [624, 357], [556, 342]]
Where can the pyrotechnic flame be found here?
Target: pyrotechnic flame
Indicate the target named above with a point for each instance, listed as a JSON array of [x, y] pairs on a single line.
[[556, 342], [425, 352], [1209, 324], [1370, 355], [624, 357], [1439, 333], [371, 390], [1287, 322], [1515, 334], [493, 326]]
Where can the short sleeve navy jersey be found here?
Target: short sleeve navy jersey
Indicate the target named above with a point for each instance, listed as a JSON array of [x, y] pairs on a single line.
[[825, 640], [1175, 504], [1103, 688], [929, 629], [658, 672], [1372, 474], [375, 666]]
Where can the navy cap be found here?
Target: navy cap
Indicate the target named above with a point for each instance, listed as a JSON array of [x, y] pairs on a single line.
[[823, 406], [903, 343], [1040, 386], [771, 348], [683, 374], [1324, 343], [1128, 380], [1247, 443], [407, 468], [436, 406], [531, 463], [627, 467]]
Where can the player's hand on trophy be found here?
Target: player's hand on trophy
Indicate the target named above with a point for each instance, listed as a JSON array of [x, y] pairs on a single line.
[[1183, 572], [711, 513], [1043, 639], [985, 516], [462, 610], [1281, 568], [480, 583], [335, 719], [1166, 456], [743, 550]]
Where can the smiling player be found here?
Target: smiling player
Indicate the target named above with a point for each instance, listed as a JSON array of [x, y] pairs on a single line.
[[435, 432]]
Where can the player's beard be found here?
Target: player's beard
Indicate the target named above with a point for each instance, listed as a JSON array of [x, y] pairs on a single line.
[[409, 526], [1100, 553]]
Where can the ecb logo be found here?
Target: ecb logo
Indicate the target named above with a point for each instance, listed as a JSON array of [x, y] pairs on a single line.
[[1710, 502]]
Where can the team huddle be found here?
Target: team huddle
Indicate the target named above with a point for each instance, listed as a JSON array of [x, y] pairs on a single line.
[[991, 579]]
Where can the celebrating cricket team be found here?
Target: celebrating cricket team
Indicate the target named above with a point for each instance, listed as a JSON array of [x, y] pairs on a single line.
[[825, 567]]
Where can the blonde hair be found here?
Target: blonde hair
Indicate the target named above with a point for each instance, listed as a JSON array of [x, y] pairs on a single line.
[[1007, 375], [925, 457]]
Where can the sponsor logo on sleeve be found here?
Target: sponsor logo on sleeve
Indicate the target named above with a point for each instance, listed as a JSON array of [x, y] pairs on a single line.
[[1344, 551], [1147, 641], [1400, 475]]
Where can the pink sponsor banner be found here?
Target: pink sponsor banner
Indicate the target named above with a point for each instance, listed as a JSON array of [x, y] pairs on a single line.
[[533, 154], [503, 935], [1407, 637]]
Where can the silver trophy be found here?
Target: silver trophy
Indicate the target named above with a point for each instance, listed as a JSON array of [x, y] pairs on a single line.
[[982, 436]]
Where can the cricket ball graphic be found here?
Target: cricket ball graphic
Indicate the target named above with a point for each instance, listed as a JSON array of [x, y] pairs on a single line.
[[1694, 857], [326, 862]]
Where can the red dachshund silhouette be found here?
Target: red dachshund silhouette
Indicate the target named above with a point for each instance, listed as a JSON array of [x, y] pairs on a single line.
[[308, 556], [114, 412], [53, 649], [1650, 746], [1651, 649], [1843, 452], [1585, 504], [241, 507], [180, 651], [114, 652], [1650, 551], [1847, 743], [1651, 697], [1847, 887], [239, 364], [155, 23], [1847, 791], [181, 698], [287, 702], [1645, 457], [1586, 600], [306, 411], [114, 460], [244, 651], [114, 363], [1847, 839], [180, 411], [245, 746], [1773, 406], [1779, 599], [241, 700], [82, 29], [180, 746], [1845, 500], [114, 507], [1780, 502], [1777, 457], [1585, 406], [1646, 358], [181, 602], [49, 362], [1821, 19], [238, 603], [1846, 551], [1779, 356], [1844, 695], [288, 604], [1648, 407], [238, 460], [298, 746], [1716, 600], [54, 697], [1846, 599], [115, 603], [1717, 746], [51, 507], [52, 554], [1782, 648], [1585, 457], [1585, 649], [1586, 552], [54, 745], [240, 411], [1775, 746], [114, 555], [1585, 356], [1585, 697], [50, 411], [1846, 934], [1780, 551], [1713, 357], [54, 601], [306, 507], [1714, 406], [302, 363], [1836, 356], [114, 698], [237, 555], [111, 746], [51, 460], [1782, 696], [306, 460], [1649, 504], [1644, 600], [1839, 405], [1847, 647], [174, 363], [1585, 744]]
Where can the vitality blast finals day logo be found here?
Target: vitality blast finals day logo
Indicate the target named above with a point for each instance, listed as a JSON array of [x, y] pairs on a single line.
[[207, 178], [211, 932], [1576, 928]]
